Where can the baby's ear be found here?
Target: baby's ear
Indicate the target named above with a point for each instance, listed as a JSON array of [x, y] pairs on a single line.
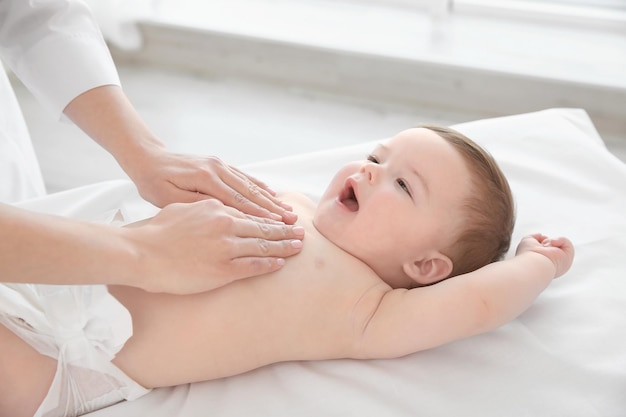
[[429, 270]]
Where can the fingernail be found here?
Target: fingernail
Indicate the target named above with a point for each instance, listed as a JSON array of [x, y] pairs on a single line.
[[296, 244], [298, 230], [286, 206], [275, 216], [280, 261]]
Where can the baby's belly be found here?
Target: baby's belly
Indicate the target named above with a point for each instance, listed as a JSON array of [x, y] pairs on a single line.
[[181, 339]]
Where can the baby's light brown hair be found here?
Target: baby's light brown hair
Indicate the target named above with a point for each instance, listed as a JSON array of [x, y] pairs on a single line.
[[489, 212]]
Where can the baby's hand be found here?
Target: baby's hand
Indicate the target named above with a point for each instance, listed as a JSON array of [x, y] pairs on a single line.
[[560, 250]]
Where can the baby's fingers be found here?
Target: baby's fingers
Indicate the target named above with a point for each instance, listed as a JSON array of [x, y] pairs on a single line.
[[539, 237], [562, 243], [564, 255]]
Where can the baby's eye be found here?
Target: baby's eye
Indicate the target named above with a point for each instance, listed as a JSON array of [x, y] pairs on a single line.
[[403, 185], [372, 158]]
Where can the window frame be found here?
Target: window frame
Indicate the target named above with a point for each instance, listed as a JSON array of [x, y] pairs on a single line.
[[588, 17], [552, 13]]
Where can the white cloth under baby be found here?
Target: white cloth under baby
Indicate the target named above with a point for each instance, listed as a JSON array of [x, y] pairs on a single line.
[[82, 327]]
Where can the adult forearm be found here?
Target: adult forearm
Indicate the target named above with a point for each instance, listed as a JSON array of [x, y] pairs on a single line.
[[185, 248], [163, 177], [38, 248], [107, 116]]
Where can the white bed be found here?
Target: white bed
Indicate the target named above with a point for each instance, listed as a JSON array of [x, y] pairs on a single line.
[[566, 356]]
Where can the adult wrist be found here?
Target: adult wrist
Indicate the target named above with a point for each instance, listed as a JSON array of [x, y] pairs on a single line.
[[136, 153], [130, 260]]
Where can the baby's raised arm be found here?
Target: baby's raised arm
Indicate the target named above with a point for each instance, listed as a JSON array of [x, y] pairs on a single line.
[[408, 321]]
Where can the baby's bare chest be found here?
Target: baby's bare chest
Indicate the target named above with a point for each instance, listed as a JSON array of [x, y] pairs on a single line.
[[318, 304], [315, 307]]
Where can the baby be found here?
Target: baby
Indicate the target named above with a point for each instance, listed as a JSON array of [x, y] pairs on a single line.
[[371, 280]]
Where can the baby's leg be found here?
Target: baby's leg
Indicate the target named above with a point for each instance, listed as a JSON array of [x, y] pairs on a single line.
[[26, 375]]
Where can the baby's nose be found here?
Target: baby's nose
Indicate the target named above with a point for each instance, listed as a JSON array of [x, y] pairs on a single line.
[[370, 171]]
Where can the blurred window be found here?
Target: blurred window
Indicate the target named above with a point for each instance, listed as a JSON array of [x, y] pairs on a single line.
[[601, 14]]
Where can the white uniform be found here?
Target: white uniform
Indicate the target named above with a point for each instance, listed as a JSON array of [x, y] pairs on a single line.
[[57, 50]]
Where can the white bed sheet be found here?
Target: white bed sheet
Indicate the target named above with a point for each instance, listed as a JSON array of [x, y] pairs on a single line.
[[566, 356]]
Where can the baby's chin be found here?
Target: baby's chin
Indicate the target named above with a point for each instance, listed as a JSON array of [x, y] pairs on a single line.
[[329, 232], [398, 280], [318, 224]]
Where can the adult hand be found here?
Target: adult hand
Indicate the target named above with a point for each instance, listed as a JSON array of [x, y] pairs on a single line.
[[195, 247], [163, 177]]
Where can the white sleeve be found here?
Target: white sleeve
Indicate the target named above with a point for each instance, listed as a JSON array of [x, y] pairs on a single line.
[[56, 49]]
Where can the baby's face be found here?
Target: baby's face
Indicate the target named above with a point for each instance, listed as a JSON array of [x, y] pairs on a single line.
[[395, 206]]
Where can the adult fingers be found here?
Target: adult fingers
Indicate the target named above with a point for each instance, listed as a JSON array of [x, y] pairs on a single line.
[[251, 266], [259, 247], [256, 181], [253, 197], [272, 194], [256, 227]]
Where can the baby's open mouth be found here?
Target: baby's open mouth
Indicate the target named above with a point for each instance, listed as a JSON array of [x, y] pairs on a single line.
[[348, 198]]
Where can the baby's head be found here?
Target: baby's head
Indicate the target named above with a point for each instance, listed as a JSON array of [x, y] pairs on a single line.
[[426, 205]]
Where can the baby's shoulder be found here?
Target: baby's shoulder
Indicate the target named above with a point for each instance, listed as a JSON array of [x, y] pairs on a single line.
[[298, 200]]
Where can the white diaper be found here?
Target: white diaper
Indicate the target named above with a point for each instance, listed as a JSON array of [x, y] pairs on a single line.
[[83, 328]]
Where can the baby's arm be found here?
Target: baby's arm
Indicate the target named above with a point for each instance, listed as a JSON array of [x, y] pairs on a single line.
[[408, 321]]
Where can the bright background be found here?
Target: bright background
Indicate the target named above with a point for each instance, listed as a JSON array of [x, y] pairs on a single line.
[[249, 80]]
